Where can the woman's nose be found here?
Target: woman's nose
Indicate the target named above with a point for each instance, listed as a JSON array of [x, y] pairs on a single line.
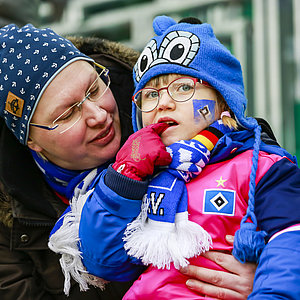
[[93, 113], [165, 101]]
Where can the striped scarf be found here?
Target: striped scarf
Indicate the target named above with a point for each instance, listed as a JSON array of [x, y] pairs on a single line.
[[162, 234], [61, 180]]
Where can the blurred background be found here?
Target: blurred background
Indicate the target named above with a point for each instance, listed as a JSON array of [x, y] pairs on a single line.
[[263, 34]]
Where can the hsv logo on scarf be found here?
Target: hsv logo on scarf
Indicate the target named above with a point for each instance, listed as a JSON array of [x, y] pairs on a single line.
[[162, 234]]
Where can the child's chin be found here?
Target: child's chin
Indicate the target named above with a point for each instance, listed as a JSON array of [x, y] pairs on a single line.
[[166, 141], [169, 141]]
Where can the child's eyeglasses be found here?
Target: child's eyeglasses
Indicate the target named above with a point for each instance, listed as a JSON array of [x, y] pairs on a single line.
[[180, 90], [73, 114]]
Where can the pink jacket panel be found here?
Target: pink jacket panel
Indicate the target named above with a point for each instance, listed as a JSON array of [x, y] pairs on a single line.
[[217, 200]]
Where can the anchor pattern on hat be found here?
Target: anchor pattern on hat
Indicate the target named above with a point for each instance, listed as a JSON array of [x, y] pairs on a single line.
[[30, 58]]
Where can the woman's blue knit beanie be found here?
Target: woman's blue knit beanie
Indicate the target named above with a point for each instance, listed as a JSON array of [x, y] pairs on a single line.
[[193, 50], [30, 58]]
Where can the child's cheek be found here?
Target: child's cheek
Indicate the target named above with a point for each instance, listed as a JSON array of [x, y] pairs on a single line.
[[146, 120], [204, 110]]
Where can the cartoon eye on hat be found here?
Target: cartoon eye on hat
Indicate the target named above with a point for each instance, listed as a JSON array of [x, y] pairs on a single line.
[[177, 47], [146, 58]]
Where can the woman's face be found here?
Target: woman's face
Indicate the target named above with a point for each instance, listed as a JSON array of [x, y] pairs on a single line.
[[94, 139], [188, 118]]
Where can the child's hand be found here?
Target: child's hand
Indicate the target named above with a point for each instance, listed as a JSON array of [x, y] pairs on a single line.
[[142, 152]]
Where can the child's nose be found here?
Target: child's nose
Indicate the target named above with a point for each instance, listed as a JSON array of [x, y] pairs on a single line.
[[165, 101]]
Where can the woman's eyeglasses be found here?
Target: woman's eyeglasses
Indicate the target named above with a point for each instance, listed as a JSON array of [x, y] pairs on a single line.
[[73, 114]]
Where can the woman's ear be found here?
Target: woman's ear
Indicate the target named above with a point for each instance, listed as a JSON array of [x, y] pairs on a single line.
[[33, 145]]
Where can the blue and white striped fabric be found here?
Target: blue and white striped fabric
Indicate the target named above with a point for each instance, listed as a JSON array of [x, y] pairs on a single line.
[[188, 158]]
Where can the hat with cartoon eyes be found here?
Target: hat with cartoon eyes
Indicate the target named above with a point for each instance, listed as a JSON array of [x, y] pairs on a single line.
[[30, 59], [193, 50]]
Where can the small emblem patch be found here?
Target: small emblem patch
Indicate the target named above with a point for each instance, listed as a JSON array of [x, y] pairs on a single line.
[[204, 111], [219, 202], [14, 104]]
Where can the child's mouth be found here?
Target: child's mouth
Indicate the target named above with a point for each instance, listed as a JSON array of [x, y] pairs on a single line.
[[169, 122]]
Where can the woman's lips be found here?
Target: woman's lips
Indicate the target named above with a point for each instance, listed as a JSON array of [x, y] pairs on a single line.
[[105, 136]]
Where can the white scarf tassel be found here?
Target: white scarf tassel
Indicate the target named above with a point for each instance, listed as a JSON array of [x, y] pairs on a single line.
[[192, 238], [65, 242], [161, 243]]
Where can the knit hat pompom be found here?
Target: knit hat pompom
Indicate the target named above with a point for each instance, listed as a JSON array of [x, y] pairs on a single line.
[[248, 243], [30, 59]]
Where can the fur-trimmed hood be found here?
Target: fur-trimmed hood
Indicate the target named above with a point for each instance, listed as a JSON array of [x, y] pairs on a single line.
[[114, 50]]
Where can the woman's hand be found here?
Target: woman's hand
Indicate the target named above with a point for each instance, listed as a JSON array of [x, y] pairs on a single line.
[[237, 284]]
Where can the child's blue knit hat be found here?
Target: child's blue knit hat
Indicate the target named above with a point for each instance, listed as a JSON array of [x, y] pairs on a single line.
[[30, 58], [193, 50]]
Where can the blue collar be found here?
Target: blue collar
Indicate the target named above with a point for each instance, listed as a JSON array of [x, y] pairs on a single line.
[[60, 179], [236, 142]]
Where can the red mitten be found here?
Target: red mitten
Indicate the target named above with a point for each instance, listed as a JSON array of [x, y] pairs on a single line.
[[142, 151]]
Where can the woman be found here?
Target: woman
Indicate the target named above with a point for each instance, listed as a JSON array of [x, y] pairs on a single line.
[[29, 206], [31, 200]]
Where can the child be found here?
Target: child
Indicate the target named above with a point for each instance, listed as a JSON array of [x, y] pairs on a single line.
[[180, 76], [101, 215], [188, 106]]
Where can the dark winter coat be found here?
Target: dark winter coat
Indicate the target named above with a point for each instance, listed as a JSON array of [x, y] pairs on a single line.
[[29, 208]]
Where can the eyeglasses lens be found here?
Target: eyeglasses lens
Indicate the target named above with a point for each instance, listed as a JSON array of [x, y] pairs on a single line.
[[73, 114], [181, 89]]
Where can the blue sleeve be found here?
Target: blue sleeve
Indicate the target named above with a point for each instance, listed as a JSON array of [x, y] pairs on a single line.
[[278, 273], [124, 186], [277, 197], [104, 218]]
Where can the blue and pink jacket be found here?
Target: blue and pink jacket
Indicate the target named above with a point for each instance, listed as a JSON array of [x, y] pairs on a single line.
[[217, 200]]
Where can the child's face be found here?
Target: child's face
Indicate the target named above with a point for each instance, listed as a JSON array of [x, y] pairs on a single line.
[[187, 118]]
